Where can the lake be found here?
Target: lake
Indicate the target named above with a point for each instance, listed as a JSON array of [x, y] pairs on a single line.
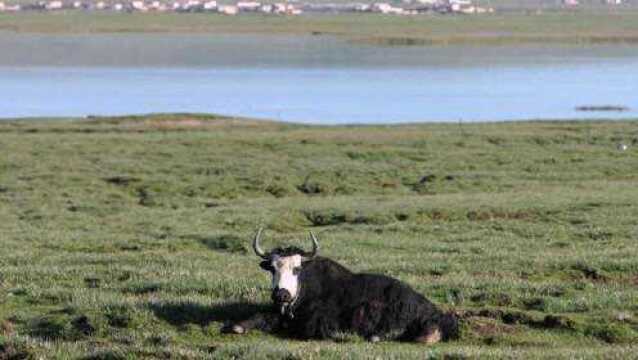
[[310, 79]]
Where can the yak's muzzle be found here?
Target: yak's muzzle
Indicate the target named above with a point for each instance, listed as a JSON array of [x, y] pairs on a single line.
[[281, 296]]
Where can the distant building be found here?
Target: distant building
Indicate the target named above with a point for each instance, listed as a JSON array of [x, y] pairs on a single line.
[[386, 8], [460, 5], [54, 5], [210, 6], [9, 8], [248, 5], [191, 5], [362, 7], [228, 9], [285, 8], [138, 5]]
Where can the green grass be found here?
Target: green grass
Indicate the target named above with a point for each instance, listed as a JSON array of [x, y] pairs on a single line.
[[129, 237], [509, 28]]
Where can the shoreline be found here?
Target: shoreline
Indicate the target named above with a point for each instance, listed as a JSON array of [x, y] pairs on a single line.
[[201, 121], [372, 29]]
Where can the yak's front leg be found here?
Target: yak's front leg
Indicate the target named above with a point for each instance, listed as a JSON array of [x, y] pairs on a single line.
[[268, 322]]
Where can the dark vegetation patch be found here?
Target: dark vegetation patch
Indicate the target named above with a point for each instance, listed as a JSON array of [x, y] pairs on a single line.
[[60, 327], [122, 180], [182, 287], [496, 140], [223, 242], [402, 216], [119, 316], [105, 355], [11, 350], [312, 187], [590, 272], [282, 189], [455, 296], [49, 297], [498, 299], [596, 233], [18, 292], [159, 340], [486, 327], [6, 328], [552, 290], [428, 183], [124, 276], [92, 282], [557, 322], [184, 313], [612, 333], [145, 197], [82, 325], [143, 288], [326, 217], [332, 216], [130, 247], [478, 215], [370, 156], [537, 303]]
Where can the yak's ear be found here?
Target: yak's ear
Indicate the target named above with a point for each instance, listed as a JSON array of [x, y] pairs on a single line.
[[266, 265]]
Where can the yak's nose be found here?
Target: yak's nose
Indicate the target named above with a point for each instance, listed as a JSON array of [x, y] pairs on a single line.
[[281, 295]]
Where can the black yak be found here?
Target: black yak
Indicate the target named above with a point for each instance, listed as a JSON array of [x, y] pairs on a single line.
[[317, 298]]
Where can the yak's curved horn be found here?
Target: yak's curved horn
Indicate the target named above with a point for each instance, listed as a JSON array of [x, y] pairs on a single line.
[[256, 246], [315, 245]]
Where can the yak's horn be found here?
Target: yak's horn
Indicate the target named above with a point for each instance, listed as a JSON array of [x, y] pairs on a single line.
[[315, 245], [256, 246]]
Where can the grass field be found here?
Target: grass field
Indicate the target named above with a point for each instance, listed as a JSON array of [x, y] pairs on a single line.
[[129, 237], [510, 28]]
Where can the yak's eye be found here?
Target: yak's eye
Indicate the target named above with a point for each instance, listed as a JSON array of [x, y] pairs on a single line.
[[266, 265], [296, 270]]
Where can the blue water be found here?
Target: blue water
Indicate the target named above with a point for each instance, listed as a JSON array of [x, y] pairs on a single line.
[[418, 85]]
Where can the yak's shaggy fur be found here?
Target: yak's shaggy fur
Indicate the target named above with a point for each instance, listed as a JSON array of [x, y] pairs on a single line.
[[334, 300]]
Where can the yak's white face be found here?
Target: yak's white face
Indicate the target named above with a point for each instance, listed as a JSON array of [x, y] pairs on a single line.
[[285, 273]]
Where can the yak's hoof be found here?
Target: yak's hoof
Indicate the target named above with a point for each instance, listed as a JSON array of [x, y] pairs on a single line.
[[432, 337], [233, 329], [237, 329], [375, 339]]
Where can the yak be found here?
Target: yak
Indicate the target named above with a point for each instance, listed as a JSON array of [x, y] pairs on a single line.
[[317, 298]]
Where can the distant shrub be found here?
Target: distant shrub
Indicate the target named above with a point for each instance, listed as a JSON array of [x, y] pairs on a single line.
[[279, 190], [119, 316], [331, 216], [310, 187], [612, 333], [13, 350], [54, 327], [326, 217], [225, 242], [536, 303], [105, 355]]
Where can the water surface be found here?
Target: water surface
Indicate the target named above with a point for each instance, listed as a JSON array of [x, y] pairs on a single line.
[[308, 79]]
